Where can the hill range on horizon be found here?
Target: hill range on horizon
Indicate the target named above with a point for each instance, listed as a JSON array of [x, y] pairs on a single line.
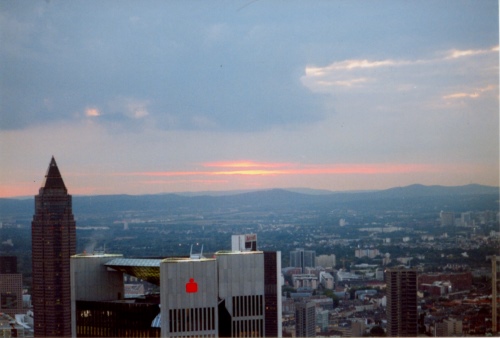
[[412, 188], [454, 198]]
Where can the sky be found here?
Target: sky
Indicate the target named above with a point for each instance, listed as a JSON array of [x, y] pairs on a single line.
[[173, 96]]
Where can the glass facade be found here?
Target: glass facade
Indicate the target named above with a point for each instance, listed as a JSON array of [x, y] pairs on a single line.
[[116, 319], [147, 269], [271, 295]]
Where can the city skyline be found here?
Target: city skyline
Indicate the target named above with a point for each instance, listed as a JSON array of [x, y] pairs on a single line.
[[193, 96]]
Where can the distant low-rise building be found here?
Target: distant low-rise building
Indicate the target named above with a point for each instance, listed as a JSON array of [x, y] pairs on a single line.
[[404, 260], [437, 288], [326, 261], [308, 281], [358, 327], [370, 253], [449, 327], [344, 276], [459, 281], [326, 279]]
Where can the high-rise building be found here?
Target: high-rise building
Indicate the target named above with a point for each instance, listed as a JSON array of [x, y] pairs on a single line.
[[447, 218], [402, 316], [233, 293], [53, 243], [300, 258], [189, 302], [305, 319], [11, 286]]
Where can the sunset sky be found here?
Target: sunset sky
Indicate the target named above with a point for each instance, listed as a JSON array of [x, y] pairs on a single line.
[[137, 97]]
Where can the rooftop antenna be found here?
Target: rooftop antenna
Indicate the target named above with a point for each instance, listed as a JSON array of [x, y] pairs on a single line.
[[196, 256]]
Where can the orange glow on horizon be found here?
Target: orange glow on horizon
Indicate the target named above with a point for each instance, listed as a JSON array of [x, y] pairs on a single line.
[[245, 164], [261, 169], [244, 174]]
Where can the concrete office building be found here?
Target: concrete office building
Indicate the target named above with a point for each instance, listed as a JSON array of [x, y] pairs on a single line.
[[242, 294], [305, 319], [189, 303], [53, 233], [231, 294], [402, 315], [326, 279]]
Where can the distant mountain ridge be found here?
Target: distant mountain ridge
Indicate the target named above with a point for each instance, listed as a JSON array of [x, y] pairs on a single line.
[[475, 195]]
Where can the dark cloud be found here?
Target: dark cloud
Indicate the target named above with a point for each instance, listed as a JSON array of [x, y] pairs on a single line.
[[220, 66]]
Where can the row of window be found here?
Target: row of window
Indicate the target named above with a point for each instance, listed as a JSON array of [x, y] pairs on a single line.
[[244, 306], [96, 331], [193, 319], [248, 328]]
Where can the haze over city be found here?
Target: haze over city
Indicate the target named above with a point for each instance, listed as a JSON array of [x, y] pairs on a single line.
[[161, 97]]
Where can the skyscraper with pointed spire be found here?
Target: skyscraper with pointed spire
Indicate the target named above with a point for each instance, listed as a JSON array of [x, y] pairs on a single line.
[[53, 243]]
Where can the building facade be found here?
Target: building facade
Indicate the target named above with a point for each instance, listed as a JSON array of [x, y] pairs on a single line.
[[53, 243], [326, 261], [449, 327], [189, 303], [11, 286], [402, 315], [305, 319], [98, 306]]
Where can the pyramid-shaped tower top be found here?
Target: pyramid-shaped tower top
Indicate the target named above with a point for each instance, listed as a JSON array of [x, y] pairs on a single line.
[[53, 179]]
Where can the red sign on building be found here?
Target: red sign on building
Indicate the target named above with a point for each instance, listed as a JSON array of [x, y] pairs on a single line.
[[191, 286]]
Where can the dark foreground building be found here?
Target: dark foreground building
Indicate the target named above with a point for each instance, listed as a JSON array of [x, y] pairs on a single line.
[[232, 294], [402, 316], [53, 243]]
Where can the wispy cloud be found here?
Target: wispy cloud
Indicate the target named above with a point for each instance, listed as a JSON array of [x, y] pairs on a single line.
[[457, 53], [204, 182], [352, 65], [474, 94], [353, 73], [245, 164], [250, 168], [92, 112]]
